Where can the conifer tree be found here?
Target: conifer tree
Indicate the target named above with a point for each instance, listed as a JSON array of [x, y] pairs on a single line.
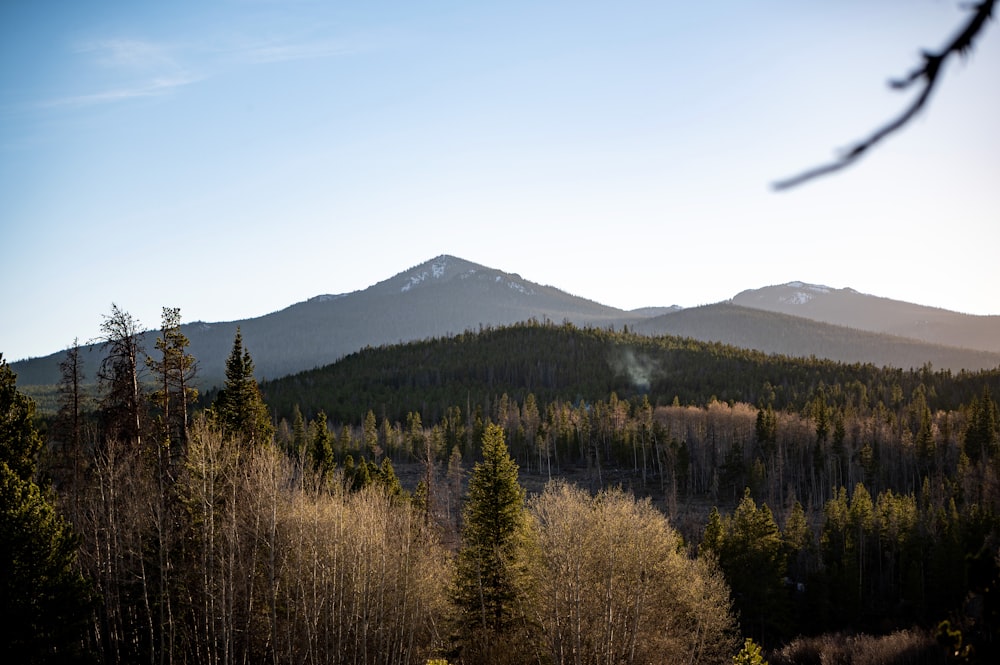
[[122, 401], [175, 374], [322, 446], [298, 441], [43, 598], [981, 436], [240, 406], [68, 426], [387, 478], [370, 435], [491, 585], [753, 561]]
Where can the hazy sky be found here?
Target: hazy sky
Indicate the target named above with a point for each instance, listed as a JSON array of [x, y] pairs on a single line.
[[233, 157]]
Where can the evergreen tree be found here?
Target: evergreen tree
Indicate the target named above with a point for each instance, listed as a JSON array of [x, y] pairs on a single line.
[[387, 478], [298, 441], [43, 598], [239, 405], [752, 558], [370, 435], [982, 435], [68, 426], [175, 375], [491, 585], [714, 533], [322, 446], [122, 402]]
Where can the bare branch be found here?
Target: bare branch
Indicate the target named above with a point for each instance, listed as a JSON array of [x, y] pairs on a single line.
[[929, 73]]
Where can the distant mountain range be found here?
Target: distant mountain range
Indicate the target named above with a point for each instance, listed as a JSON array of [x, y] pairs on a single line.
[[448, 295], [847, 307]]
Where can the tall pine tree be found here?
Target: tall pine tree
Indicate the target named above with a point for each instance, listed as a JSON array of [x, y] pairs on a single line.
[[122, 402], [175, 374], [239, 406], [493, 574]]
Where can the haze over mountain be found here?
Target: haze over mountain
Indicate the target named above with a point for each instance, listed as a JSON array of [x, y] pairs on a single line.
[[847, 307], [448, 295], [777, 333]]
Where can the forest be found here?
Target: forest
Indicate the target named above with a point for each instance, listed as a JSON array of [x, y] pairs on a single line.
[[535, 493]]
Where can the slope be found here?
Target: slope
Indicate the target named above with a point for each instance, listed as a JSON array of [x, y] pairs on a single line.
[[773, 332], [847, 307]]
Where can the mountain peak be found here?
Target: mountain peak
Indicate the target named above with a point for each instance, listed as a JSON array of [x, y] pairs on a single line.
[[800, 293], [440, 267], [446, 268], [790, 293]]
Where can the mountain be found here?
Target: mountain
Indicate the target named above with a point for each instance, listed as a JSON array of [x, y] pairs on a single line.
[[443, 296], [847, 307], [777, 333], [448, 295]]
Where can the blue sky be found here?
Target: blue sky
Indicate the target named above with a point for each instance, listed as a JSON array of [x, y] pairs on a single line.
[[233, 157]]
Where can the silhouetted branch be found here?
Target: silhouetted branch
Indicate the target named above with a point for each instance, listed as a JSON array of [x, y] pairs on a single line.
[[928, 73]]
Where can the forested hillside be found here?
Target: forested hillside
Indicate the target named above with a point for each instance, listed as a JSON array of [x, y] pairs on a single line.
[[876, 488], [461, 498], [569, 363]]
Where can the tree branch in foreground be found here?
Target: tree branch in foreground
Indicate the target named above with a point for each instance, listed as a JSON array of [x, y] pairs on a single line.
[[929, 72]]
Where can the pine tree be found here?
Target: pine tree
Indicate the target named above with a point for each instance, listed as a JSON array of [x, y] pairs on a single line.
[[239, 405], [981, 435], [752, 558], [68, 425], [491, 580], [122, 403], [388, 480], [370, 435], [43, 598], [175, 375], [298, 441]]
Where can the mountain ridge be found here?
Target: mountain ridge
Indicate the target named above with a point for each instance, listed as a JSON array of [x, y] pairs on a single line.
[[449, 295], [853, 309]]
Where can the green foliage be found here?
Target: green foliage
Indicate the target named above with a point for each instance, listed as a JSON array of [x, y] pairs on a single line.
[[490, 577], [565, 362], [321, 448], [239, 405], [19, 442], [386, 478], [43, 599], [752, 557], [750, 654], [174, 374], [982, 437]]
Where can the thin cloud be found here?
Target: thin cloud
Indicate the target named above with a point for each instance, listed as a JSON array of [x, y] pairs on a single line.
[[154, 88], [291, 52], [131, 54], [154, 69]]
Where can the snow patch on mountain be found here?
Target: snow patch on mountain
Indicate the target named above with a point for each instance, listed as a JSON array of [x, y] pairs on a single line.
[[802, 293], [436, 270], [327, 297], [441, 267]]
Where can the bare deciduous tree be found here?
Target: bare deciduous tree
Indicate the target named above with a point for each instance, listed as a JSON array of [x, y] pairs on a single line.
[[927, 74]]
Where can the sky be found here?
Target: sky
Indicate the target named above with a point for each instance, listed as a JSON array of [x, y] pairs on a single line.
[[233, 157]]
